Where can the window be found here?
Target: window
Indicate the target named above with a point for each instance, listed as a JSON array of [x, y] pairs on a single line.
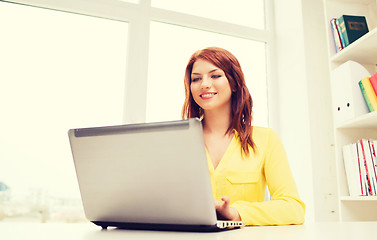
[[58, 71], [242, 12], [102, 63], [168, 57]]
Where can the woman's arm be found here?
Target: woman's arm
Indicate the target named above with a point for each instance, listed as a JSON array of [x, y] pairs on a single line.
[[285, 206]]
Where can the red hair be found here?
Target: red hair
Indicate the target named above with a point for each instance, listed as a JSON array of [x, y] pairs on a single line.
[[241, 102]]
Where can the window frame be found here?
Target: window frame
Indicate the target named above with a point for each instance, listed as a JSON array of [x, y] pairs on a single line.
[[139, 17]]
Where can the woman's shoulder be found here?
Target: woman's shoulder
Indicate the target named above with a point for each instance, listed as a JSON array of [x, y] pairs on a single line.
[[257, 131], [264, 135]]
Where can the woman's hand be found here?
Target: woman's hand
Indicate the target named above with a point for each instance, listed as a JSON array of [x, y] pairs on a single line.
[[226, 212]]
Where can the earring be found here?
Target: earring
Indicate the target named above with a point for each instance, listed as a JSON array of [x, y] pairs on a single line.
[[200, 111]]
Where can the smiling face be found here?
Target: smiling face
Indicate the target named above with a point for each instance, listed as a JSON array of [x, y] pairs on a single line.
[[209, 86]]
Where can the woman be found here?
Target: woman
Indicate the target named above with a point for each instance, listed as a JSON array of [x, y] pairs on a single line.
[[243, 159]]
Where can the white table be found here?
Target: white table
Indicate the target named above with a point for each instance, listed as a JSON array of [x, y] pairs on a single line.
[[88, 231]]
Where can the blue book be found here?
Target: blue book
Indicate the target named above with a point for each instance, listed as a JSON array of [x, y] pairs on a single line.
[[352, 28]]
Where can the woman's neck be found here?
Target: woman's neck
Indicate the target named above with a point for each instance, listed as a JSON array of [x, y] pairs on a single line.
[[216, 121]]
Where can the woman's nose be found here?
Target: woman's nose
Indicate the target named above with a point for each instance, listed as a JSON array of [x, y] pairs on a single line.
[[206, 82]]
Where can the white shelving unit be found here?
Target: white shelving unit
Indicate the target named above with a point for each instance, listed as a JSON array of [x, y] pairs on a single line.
[[363, 51]]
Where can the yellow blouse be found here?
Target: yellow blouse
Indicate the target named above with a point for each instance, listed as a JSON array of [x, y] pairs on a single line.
[[244, 179]]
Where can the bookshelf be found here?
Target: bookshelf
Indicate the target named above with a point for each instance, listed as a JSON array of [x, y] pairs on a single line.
[[363, 51]]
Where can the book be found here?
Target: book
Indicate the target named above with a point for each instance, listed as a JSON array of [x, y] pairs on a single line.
[[373, 146], [361, 167], [351, 166], [352, 28], [373, 163], [370, 96], [336, 35], [369, 168], [362, 172], [373, 81], [340, 34]]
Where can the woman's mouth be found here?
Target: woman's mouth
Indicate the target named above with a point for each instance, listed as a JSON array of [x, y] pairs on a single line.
[[207, 95]]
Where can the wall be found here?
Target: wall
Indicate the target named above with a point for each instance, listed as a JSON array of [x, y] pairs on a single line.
[[320, 114], [305, 103]]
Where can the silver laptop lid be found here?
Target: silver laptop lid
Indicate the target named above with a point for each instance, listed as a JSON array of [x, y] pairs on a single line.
[[144, 173]]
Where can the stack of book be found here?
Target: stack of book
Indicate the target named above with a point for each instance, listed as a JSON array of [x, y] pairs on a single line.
[[360, 164], [346, 29], [368, 86]]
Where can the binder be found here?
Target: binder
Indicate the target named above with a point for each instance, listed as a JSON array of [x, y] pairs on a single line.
[[347, 99]]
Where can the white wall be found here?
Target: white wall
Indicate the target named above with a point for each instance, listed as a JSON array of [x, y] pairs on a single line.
[[305, 103], [320, 114]]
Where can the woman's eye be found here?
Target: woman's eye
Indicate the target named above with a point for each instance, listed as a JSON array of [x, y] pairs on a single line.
[[195, 79], [216, 76]]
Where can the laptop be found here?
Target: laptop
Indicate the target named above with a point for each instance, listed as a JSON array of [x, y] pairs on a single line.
[[146, 176]]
